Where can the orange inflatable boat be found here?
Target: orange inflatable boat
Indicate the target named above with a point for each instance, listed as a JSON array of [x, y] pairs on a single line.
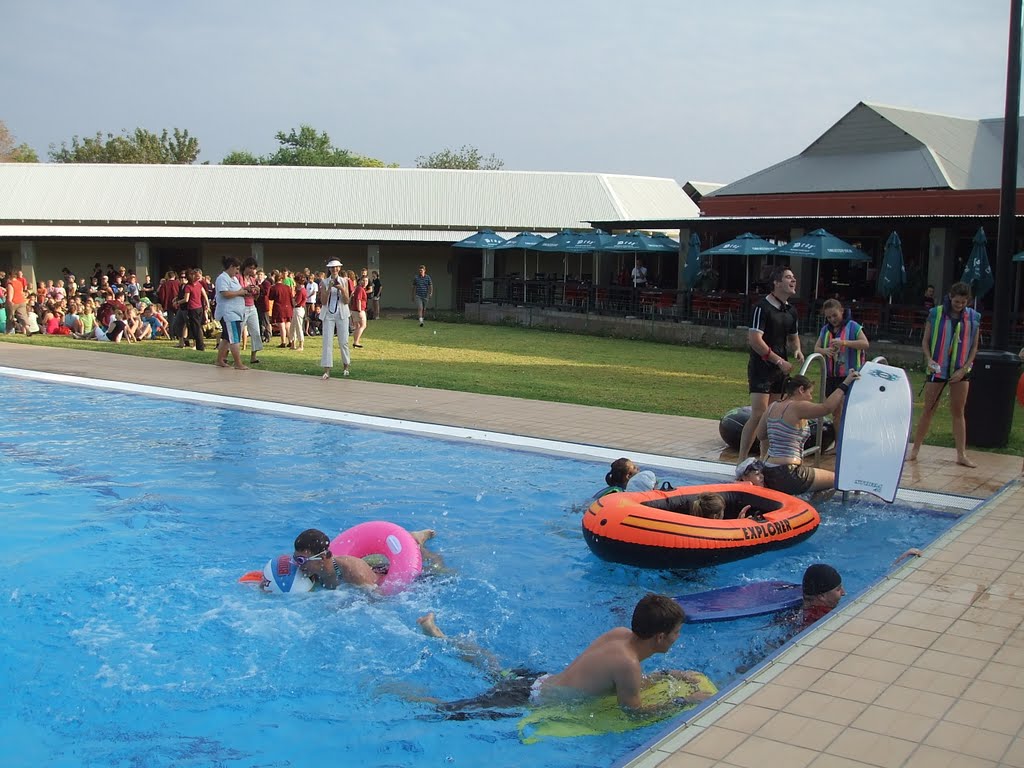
[[655, 530]]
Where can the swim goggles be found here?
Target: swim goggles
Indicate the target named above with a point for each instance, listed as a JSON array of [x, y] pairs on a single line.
[[301, 560]]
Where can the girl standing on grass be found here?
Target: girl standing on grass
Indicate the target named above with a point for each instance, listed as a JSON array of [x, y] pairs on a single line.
[[950, 343]]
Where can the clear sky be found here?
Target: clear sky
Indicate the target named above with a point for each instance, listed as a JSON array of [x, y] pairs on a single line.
[[708, 91]]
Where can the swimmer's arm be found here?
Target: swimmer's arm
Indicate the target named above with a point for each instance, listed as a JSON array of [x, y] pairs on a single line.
[[668, 707], [695, 679]]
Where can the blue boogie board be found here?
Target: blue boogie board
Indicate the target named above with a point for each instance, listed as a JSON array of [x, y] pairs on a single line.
[[754, 599], [875, 430]]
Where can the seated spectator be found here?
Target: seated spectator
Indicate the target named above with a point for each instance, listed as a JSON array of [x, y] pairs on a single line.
[[115, 330], [132, 290], [156, 324], [88, 320], [31, 316], [134, 327], [71, 320]]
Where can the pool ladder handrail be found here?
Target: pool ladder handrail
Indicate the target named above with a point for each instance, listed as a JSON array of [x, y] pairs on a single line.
[[815, 450]]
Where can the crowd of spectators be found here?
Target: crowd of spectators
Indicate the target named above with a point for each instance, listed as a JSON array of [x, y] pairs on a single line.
[[113, 305]]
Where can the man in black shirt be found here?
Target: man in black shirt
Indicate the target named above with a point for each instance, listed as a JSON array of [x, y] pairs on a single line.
[[773, 331]]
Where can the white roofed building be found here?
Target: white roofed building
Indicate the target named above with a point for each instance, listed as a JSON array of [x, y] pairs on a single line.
[[152, 218]]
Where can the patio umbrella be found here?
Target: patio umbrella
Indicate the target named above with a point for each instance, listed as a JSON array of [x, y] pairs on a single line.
[[821, 246], [665, 241], [635, 242], [691, 269], [573, 242], [892, 276], [977, 271], [748, 244], [485, 238], [524, 240]]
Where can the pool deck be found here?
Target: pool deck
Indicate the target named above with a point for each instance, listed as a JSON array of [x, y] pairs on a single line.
[[925, 670]]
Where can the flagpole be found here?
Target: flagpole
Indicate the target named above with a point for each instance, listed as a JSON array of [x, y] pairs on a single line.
[[1008, 188]]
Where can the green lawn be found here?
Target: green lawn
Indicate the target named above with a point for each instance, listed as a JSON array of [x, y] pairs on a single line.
[[528, 363]]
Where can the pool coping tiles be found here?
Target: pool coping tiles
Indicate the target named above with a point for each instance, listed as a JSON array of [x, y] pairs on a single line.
[[923, 669]]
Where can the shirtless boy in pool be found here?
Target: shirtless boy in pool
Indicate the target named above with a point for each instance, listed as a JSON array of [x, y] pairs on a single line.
[[610, 665], [314, 558]]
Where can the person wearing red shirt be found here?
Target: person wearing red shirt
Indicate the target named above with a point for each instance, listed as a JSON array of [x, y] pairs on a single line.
[[298, 339], [196, 305], [281, 314], [358, 307], [17, 314], [251, 320]]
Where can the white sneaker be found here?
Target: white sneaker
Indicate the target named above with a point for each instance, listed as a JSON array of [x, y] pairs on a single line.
[[421, 322], [345, 372]]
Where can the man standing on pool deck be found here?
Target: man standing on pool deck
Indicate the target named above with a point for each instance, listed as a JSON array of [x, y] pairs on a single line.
[[773, 331], [334, 316], [611, 665], [422, 290]]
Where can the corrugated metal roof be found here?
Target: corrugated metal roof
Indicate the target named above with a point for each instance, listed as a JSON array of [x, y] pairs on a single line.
[[149, 232], [382, 198], [876, 147]]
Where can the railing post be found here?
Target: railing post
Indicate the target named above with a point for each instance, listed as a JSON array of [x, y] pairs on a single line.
[[820, 429]]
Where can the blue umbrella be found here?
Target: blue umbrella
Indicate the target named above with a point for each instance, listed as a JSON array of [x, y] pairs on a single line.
[[563, 242], [892, 276], [748, 244], [522, 240], [485, 238], [573, 242], [636, 242], [691, 269], [978, 272], [821, 246], [665, 241]]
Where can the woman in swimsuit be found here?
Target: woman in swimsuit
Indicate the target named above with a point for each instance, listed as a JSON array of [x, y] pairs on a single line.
[[784, 430]]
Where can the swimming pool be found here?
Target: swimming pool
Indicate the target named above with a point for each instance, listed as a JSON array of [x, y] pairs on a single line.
[[130, 642]]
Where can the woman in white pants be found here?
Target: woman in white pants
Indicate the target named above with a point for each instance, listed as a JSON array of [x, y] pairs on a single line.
[[334, 315], [251, 317], [298, 339]]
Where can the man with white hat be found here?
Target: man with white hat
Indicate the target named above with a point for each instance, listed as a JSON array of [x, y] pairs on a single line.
[[334, 315]]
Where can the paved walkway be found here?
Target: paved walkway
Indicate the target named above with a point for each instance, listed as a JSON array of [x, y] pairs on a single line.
[[926, 670]]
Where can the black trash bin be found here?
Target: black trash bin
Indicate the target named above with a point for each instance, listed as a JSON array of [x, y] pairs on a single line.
[[991, 398]]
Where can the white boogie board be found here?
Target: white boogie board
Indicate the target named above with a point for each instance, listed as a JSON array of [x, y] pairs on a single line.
[[874, 433]]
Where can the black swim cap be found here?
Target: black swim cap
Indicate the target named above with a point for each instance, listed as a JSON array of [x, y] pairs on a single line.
[[820, 578]]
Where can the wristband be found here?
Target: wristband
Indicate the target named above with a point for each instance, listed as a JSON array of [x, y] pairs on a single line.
[[766, 355], [843, 387]]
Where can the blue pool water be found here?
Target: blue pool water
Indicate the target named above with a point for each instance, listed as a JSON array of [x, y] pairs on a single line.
[[129, 641]]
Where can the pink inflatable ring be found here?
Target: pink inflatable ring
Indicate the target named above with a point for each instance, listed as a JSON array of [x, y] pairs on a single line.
[[387, 539]]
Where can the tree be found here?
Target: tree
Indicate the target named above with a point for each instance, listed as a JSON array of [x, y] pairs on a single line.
[[468, 158], [141, 146], [9, 153], [305, 147], [240, 157]]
